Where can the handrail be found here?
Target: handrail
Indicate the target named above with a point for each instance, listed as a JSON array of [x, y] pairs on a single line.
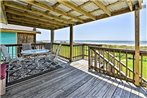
[[115, 50], [120, 58], [130, 51], [21, 44], [76, 44], [15, 49], [119, 61], [108, 62]]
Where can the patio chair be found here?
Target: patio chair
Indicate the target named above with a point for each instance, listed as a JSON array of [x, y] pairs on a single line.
[[52, 58], [26, 46], [47, 46], [13, 65]]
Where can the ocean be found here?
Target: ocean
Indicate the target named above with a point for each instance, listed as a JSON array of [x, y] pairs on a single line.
[[110, 42]]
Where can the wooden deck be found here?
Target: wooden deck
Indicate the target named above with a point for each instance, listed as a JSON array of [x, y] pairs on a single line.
[[74, 81]]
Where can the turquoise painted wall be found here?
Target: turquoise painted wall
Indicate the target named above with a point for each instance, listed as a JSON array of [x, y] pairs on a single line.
[[9, 38]]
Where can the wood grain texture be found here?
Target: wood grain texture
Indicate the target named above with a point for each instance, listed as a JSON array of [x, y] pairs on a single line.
[[74, 81]]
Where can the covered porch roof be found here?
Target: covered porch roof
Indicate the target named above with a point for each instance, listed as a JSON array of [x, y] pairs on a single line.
[[56, 14]]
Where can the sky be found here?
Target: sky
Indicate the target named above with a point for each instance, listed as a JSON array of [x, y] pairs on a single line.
[[121, 27]]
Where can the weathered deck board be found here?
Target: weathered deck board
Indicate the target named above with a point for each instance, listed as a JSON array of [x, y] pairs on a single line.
[[81, 89], [119, 90], [126, 91], [71, 87], [112, 88], [142, 92], [102, 91], [74, 82], [74, 88], [95, 89], [36, 81], [51, 86], [64, 83]]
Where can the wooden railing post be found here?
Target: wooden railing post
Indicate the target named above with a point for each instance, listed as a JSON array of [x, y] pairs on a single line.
[[52, 39], [89, 58], [95, 63], [71, 43], [137, 53], [83, 51]]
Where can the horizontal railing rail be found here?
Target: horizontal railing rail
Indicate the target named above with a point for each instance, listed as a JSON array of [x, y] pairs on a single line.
[[118, 63], [80, 51], [15, 49], [143, 52]]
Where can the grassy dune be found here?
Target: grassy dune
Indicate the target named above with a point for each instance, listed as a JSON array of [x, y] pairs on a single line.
[[130, 62], [124, 47]]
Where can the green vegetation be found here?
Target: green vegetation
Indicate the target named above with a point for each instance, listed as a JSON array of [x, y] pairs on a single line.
[[124, 47], [130, 60]]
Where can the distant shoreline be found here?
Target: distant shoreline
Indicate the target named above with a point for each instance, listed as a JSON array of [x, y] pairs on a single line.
[[109, 42], [128, 43]]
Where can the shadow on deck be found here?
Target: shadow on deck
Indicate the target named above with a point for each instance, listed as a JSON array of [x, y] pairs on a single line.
[[74, 81]]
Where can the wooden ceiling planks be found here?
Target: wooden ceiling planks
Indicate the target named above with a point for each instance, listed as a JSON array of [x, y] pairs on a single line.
[[49, 8], [140, 3], [50, 16], [3, 12], [78, 9], [129, 2], [28, 15], [102, 6], [37, 12]]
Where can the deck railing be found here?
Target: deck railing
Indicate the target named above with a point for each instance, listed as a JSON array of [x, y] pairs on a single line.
[[80, 51], [15, 49], [117, 63]]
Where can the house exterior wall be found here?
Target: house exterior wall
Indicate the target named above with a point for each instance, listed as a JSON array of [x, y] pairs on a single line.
[[8, 38], [12, 37]]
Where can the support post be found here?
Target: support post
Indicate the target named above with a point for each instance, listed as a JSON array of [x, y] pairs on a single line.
[[137, 53], [71, 43], [83, 51], [89, 58], [52, 39], [34, 29]]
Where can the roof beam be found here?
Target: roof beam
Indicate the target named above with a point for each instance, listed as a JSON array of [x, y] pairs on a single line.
[[85, 3], [3, 15], [56, 5], [88, 2], [15, 17], [140, 3], [129, 2], [49, 8], [27, 24], [76, 8], [32, 16], [33, 11], [114, 13], [102, 6]]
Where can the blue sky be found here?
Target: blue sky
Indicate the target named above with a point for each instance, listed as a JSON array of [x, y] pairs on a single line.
[[119, 27]]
